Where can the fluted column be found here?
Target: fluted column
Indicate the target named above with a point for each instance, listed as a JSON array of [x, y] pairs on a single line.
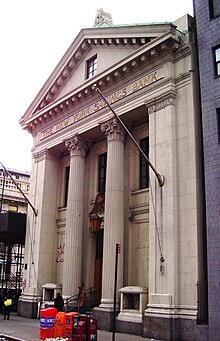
[[74, 216], [114, 211]]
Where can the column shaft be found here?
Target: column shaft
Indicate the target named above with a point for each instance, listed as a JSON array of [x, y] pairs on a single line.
[[74, 217], [114, 212]]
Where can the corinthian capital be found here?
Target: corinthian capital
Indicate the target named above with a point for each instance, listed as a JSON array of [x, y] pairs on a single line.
[[113, 130], [76, 146]]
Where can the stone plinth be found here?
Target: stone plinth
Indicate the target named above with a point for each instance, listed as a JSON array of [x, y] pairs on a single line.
[[133, 303]]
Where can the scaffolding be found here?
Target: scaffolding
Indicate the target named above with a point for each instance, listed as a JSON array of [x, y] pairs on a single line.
[[11, 265], [12, 244]]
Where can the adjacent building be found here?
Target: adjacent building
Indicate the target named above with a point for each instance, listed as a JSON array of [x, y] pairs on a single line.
[[14, 186], [12, 199], [94, 190], [207, 17]]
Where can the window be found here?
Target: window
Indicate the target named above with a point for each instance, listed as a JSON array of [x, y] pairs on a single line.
[[214, 8], [102, 173], [144, 167], [217, 60], [91, 67], [67, 174]]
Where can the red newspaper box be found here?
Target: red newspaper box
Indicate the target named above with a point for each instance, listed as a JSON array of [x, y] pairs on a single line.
[[91, 329], [83, 317], [80, 331], [71, 318], [42, 324], [71, 323], [47, 318]]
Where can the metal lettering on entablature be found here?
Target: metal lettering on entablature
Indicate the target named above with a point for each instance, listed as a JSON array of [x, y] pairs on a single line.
[[129, 89]]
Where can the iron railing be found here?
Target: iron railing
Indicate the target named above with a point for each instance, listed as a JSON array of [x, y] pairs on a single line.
[[71, 303]]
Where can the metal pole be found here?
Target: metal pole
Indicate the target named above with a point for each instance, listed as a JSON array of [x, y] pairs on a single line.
[[159, 176], [115, 291], [3, 188]]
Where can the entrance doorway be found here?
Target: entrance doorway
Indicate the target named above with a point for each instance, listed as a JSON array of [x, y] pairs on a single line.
[[98, 267]]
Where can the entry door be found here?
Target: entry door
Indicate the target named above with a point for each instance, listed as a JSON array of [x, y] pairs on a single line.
[[98, 267]]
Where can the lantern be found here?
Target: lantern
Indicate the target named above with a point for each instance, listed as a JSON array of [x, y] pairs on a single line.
[[97, 213], [95, 222]]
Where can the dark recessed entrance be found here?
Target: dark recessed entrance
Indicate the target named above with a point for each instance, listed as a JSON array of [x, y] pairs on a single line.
[[98, 267]]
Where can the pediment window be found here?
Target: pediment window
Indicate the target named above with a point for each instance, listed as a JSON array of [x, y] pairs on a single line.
[[91, 67]]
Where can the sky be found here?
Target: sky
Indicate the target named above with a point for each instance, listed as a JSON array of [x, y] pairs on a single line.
[[35, 34]]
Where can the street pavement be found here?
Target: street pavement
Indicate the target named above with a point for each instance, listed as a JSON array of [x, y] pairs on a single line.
[[26, 329]]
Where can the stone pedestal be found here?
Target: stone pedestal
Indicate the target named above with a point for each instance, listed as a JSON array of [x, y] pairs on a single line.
[[50, 291], [132, 305]]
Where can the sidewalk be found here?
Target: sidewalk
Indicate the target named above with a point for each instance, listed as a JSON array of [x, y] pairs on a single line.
[[26, 329]]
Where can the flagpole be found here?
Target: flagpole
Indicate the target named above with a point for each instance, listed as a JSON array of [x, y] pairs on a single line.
[[117, 251]]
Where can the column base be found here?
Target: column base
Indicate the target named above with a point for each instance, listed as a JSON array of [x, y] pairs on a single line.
[[108, 304], [29, 306], [104, 318], [170, 327], [129, 324]]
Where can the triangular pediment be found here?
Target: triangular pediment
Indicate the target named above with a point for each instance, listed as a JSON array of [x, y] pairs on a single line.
[[108, 54], [113, 44]]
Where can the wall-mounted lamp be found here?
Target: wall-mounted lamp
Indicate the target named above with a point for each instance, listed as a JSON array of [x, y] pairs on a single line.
[[96, 215], [95, 222]]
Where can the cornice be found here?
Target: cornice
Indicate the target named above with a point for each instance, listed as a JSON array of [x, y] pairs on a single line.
[[166, 44], [45, 154], [15, 199], [161, 101]]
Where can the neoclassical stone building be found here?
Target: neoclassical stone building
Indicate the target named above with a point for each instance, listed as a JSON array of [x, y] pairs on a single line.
[[147, 74]]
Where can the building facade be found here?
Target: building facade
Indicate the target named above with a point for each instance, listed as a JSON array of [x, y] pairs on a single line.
[[11, 199], [86, 165], [207, 17]]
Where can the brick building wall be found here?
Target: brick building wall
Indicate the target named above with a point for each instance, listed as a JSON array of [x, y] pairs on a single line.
[[208, 37]]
